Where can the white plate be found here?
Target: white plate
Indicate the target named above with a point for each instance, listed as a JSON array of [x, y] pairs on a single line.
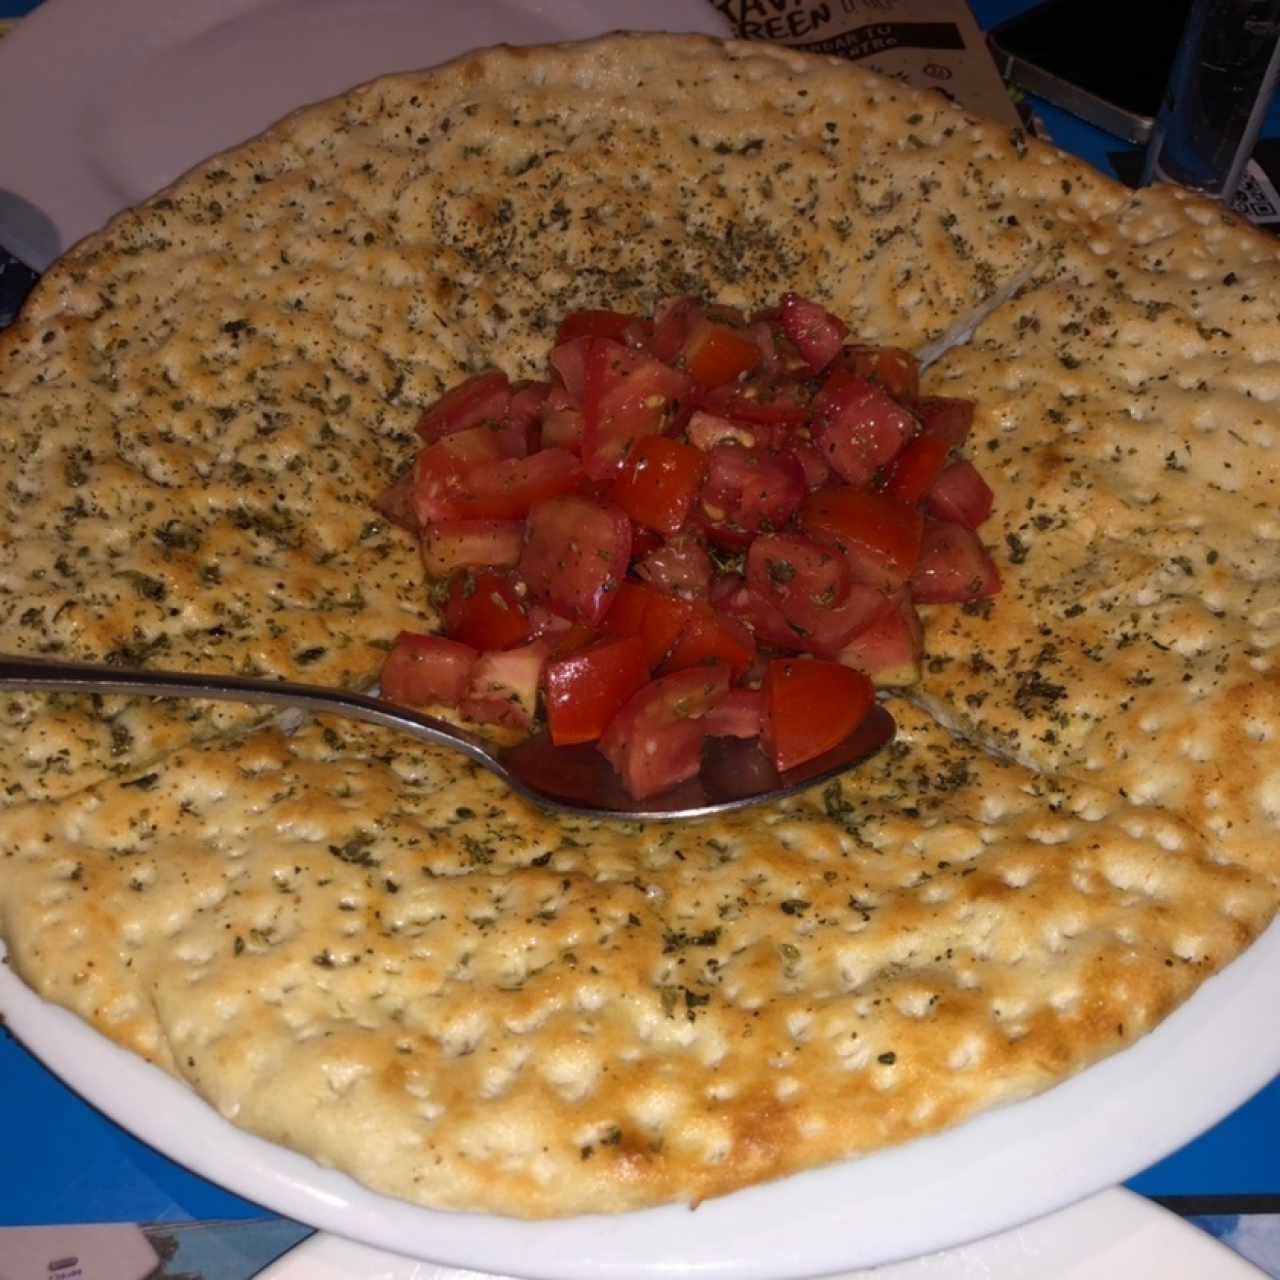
[[144, 89], [1007, 1167], [1113, 1236], [104, 104]]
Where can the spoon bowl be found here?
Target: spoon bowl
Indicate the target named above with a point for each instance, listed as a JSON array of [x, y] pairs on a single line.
[[575, 780]]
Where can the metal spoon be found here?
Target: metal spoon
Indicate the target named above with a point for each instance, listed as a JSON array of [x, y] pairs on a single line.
[[577, 780]]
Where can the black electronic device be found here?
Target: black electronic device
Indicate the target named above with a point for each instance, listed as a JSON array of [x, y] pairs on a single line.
[[1107, 61]]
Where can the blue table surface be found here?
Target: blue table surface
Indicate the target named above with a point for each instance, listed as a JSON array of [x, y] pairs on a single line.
[[63, 1162]]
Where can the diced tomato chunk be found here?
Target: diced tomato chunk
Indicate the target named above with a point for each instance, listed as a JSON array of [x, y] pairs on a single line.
[[671, 324], [858, 426], [521, 427], [709, 638], [627, 395], [575, 555], [508, 489], [715, 354], [781, 406], [961, 495], [816, 333], [655, 616], [896, 370], [739, 714], [485, 611], [706, 430], [449, 545], [954, 566], [503, 688], [655, 741], [658, 483], [585, 691], [569, 360], [561, 421], [879, 536], [396, 502], [888, 648], [946, 417], [912, 473], [790, 569], [812, 463], [749, 489], [810, 706], [810, 585], [484, 398], [681, 566], [595, 324], [767, 622], [421, 670], [441, 471]]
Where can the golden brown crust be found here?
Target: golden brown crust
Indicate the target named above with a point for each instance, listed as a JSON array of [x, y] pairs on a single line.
[[368, 952], [358, 948], [1127, 420]]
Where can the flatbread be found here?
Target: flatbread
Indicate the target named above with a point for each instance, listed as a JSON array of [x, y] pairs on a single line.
[[1127, 414], [367, 950], [372, 953]]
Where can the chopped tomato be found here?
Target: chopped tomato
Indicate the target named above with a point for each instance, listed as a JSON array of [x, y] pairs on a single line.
[[961, 495], [595, 324], [484, 398], [810, 706], [510, 487], [658, 483], [521, 426], [749, 489], [739, 714], [912, 473], [655, 616], [441, 472], [644, 542], [569, 360], [680, 566], [708, 638], [485, 611], [760, 404], [396, 502], [858, 426], [626, 396], [575, 555], [706, 430], [812, 463], [421, 670], [954, 566], [790, 569], [449, 545], [715, 354], [585, 691], [767, 622], [503, 688], [561, 421], [949, 418], [655, 741], [879, 535], [890, 646], [671, 324], [896, 370], [764, 484], [816, 333]]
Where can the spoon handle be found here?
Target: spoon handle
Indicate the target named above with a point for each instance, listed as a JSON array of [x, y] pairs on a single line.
[[42, 675]]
